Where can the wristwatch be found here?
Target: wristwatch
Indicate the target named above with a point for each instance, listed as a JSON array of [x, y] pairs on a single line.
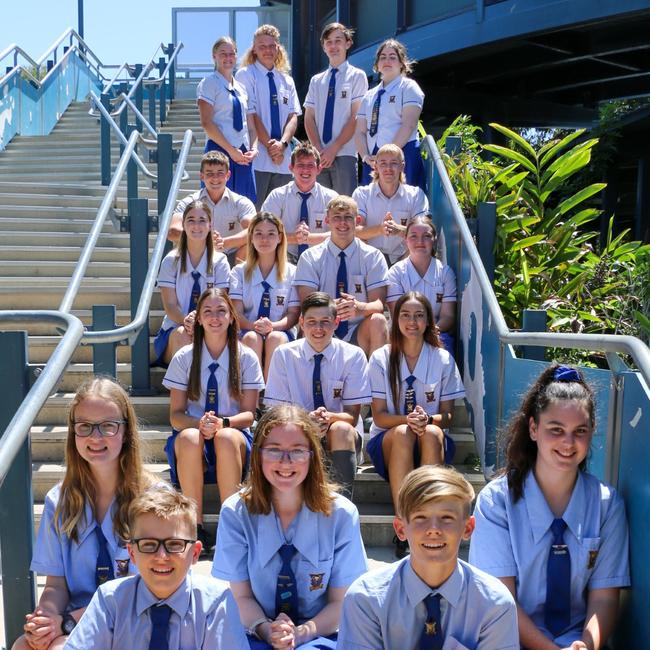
[[430, 419], [284, 144], [225, 422], [68, 624]]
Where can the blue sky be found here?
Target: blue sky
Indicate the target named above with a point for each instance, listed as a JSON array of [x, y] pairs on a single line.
[[35, 24]]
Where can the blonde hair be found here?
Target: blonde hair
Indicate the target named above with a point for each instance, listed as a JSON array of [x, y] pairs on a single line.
[[389, 149], [164, 502], [224, 40], [318, 491], [430, 483], [342, 202], [79, 484], [252, 256], [281, 61], [406, 64]]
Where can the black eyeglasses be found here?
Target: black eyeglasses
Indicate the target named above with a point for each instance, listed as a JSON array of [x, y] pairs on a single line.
[[171, 545], [107, 429]]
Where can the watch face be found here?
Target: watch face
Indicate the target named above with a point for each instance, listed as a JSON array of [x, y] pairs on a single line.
[[68, 624]]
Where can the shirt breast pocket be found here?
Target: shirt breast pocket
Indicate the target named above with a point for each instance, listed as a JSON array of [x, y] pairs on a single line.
[[335, 394], [588, 557], [279, 302], [315, 578], [318, 221], [431, 398], [358, 288], [345, 95]]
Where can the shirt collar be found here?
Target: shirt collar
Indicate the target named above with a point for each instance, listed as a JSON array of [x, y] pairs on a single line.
[[309, 352], [204, 196], [271, 278], [223, 80], [179, 601], [391, 86], [417, 590], [263, 69], [201, 266], [398, 195], [293, 188], [89, 524], [223, 360], [349, 251], [420, 370], [414, 276]]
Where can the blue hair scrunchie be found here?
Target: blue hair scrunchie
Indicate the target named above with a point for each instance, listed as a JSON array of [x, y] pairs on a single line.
[[564, 373]]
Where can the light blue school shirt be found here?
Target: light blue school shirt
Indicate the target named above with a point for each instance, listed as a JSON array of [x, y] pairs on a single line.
[[58, 555], [204, 615], [514, 539], [330, 552], [386, 609]]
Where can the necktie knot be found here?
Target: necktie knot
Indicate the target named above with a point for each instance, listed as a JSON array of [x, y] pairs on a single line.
[[381, 92], [287, 551], [304, 195], [342, 255], [196, 275], [212, 367], [266, 285], [318, 358], [432, 603], [410, 381], [269, 74], [160, 614], [557, 528]]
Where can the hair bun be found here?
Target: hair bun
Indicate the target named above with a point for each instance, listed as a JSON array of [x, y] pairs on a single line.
[[564, 373]]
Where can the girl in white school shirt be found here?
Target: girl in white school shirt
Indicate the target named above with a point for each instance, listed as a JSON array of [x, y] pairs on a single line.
[[82, 538], [184, 274], [409, 424], [226, 117], [554, 534], [287, 500], [266, 262], [422, 271], [389, 113], [214, 385]]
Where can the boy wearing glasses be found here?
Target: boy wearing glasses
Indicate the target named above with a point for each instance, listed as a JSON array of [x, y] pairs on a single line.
[[165, 606], [231, 212], [329, 379], [301, 204], [387, 204], [351, 272]]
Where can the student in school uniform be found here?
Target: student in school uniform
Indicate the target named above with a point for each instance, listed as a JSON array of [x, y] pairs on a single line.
[[166, 605], [414, 382], [389, 113], [265, 75], [214, 385], [554, 534], [287, 543], [82, 535], [388, 204], [226, 118], [422, 271], [351, 272], [431, 599], [261, 290], [301, 204], [331, 105], [328, 378], [231, 212], [185, 273]]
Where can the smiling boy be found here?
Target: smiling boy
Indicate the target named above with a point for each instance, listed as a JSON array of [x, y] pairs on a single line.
[[430, 599], [165, 607]]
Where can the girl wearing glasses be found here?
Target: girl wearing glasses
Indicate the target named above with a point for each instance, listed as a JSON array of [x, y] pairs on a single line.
[[261, 290], [227, 119], [414, 382], [389, 113], [184, 274], [214, 385], [82, 535], [287, 543]]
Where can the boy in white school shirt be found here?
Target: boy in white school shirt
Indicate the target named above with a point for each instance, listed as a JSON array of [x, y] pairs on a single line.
[[331, 105], [165, 607], [430, 600]]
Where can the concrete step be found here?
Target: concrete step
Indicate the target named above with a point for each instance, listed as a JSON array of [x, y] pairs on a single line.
[[39, 268], [48, 211], [61, 241], [77, 373], [41, 348], [31, 256], [44, 225], [49, 200]]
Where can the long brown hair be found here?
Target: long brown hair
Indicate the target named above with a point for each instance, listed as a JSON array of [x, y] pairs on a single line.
[[424, 220], [252, 255], [79, 484], [318, 492], [551, 386], [182, 244], [234, 370], [397, 341], [281, 61]]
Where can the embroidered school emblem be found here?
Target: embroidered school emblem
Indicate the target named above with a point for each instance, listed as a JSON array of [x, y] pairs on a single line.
[[391, 99], [122, 568], [357, 288], [592, 559], [209, 285], [404, 221], [438, 297], [316, 580], [319, 223], [344, 94], [231, 225], [285, 100], [338, 392], [279, 300], [430, 628], [430, 395]]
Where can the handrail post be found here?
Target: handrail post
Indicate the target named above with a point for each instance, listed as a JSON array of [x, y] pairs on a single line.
[[486, 223], [138, 96], [104, 353], [139, 238], [16, 502], [172, 72], [163, 92], [165, 155], [131, 168], [533, 320], [151, 97], [105, 137]]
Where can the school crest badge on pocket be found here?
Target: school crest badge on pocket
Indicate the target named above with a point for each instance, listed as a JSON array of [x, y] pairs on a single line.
[[121, 568], [593, 555], [316, 581]]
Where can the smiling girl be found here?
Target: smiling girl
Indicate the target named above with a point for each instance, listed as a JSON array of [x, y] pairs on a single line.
[[267, 305], [288, 544], [214, 385], [82, 537], [554, 534], [414, 382], [184, 274]]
